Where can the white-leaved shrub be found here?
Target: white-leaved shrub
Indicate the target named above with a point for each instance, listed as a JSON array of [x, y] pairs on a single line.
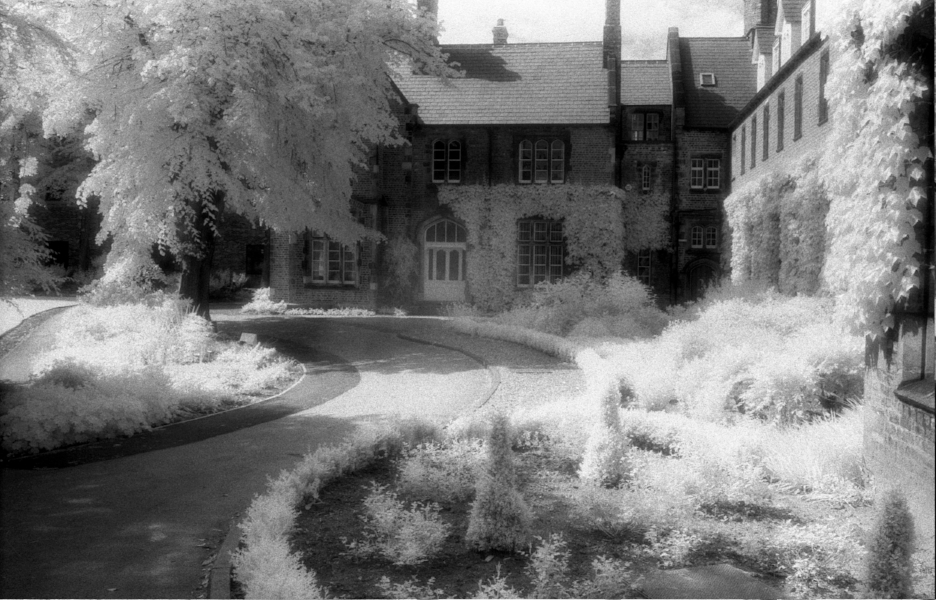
[[404, 536], [262, 304], [441, 472]]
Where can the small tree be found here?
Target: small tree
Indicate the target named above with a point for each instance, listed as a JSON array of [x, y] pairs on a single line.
[[605, 460], [889, 566], [500, 518]]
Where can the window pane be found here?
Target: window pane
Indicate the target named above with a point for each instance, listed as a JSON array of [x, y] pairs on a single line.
[[539, 231], [645, 178], [462, 235], [438, 161], [431, 234], [696, 175], [454, 265], [526, 161], [711, 237], [539, 263], [555, 232], [430, 268], [637, 127], [653, 126], [318, 260], [557, 166], [766, 131], [555, 263], [350, 266], [713, 173], [334, 262], [542, 161], [523, 264], [524, 229], [440, 265], [450, 231], [781, 100], [454, 162], [696, 239]]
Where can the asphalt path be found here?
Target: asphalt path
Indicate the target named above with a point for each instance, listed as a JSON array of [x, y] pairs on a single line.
[[144, 525]]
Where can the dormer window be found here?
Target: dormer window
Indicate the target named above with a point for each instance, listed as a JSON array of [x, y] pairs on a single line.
[[806, 23], [645, 126], [707, 79]]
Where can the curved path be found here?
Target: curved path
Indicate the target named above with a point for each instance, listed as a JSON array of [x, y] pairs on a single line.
[[144, 525]]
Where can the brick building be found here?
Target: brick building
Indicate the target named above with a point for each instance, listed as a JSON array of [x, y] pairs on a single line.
[[787, 121]]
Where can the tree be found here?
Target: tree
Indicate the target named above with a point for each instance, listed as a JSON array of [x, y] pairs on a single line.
[[30, 54], [261, 108]]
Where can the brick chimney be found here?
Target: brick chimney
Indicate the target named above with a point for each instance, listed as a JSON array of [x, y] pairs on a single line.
[[612, 32], [500, 33]]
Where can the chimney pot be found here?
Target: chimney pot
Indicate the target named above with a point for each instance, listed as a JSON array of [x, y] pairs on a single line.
[[500, 33]]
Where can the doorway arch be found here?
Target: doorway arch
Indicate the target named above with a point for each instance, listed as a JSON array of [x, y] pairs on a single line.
[[444, 246]]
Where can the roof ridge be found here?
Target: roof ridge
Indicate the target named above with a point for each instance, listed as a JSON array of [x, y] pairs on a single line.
[[733, 38], [589, 43], [643, 61]]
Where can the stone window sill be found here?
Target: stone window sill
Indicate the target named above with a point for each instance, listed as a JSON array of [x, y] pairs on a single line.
[[920, 393]]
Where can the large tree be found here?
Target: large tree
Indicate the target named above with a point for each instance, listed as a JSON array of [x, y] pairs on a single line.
[[30, 55], [261, 107]]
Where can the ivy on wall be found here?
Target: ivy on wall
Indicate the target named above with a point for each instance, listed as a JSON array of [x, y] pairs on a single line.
[[778, 230], [880, 91], [598, 223]]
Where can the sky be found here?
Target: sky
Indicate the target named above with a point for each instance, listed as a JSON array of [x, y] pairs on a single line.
[[644, 23]]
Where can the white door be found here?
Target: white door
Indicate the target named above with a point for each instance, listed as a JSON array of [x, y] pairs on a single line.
[[443, 258]]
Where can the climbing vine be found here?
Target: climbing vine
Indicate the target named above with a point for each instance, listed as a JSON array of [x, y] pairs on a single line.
[[880, 91], [598, 223]]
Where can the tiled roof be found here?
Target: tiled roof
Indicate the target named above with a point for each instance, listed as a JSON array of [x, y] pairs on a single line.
[[763, 39], [735, 77], [646, 82], [560, 83]]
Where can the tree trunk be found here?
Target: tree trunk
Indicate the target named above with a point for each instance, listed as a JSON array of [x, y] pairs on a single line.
[[197, 255]]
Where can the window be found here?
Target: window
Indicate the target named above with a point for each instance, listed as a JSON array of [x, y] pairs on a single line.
[[542, 161], [742, 154], [644, 266], [645, 178], [705, 173], [254, 259], [766, 131], [645, 126], [823, 78], [753, 141], [711, 237], [707, 79], [446, 161], [330, 263], [775, 55], [696, 237], [798, 108], [540, 251], [781, 110]]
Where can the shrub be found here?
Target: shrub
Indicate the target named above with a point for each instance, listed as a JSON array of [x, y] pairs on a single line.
[[583, 304], [496, 587], [409, 589], [549, 567], [605, 460], [500, 518], [889, 569], [403, 536], [440, 472], [261, 304], [225, 284]]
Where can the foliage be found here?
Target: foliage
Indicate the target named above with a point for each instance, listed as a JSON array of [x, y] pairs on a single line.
[[401, 264], [544, 342], [31, 55], [889, 566], [496, 587], [440, 472], [596, 245], [120, 370], [409, 589], [129, 278], [548, 570], [500, 518], [583, 303], [261, 304], [225, 283], [403, 536], [605, 459], [880, 94], [765, 355], [253, 108]]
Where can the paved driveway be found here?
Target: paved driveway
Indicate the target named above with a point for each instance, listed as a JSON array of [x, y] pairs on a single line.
[[141, 526]]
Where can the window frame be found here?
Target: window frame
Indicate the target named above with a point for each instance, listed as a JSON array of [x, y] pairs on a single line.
[[707, 79], [449, 162], [642, 132], [743, 153], [319, 270], [781, 117], [696, 232], [711, 236], [798, 107], [753, 141], [645, 266], [766, 132], [541, 243], [541, 161], [707, 171], [823, 80]]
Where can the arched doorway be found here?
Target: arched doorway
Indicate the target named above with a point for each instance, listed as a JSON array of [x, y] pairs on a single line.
[[444, 245], [702, 274]]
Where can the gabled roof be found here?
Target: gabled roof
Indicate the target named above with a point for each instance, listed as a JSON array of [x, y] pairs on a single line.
[[791, 10], [763, 40], [557, 83], [729, 59], [646, 82]]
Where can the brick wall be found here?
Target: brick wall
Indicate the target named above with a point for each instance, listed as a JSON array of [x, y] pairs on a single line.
[[813, 132], [899, 439], [235, 234]]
